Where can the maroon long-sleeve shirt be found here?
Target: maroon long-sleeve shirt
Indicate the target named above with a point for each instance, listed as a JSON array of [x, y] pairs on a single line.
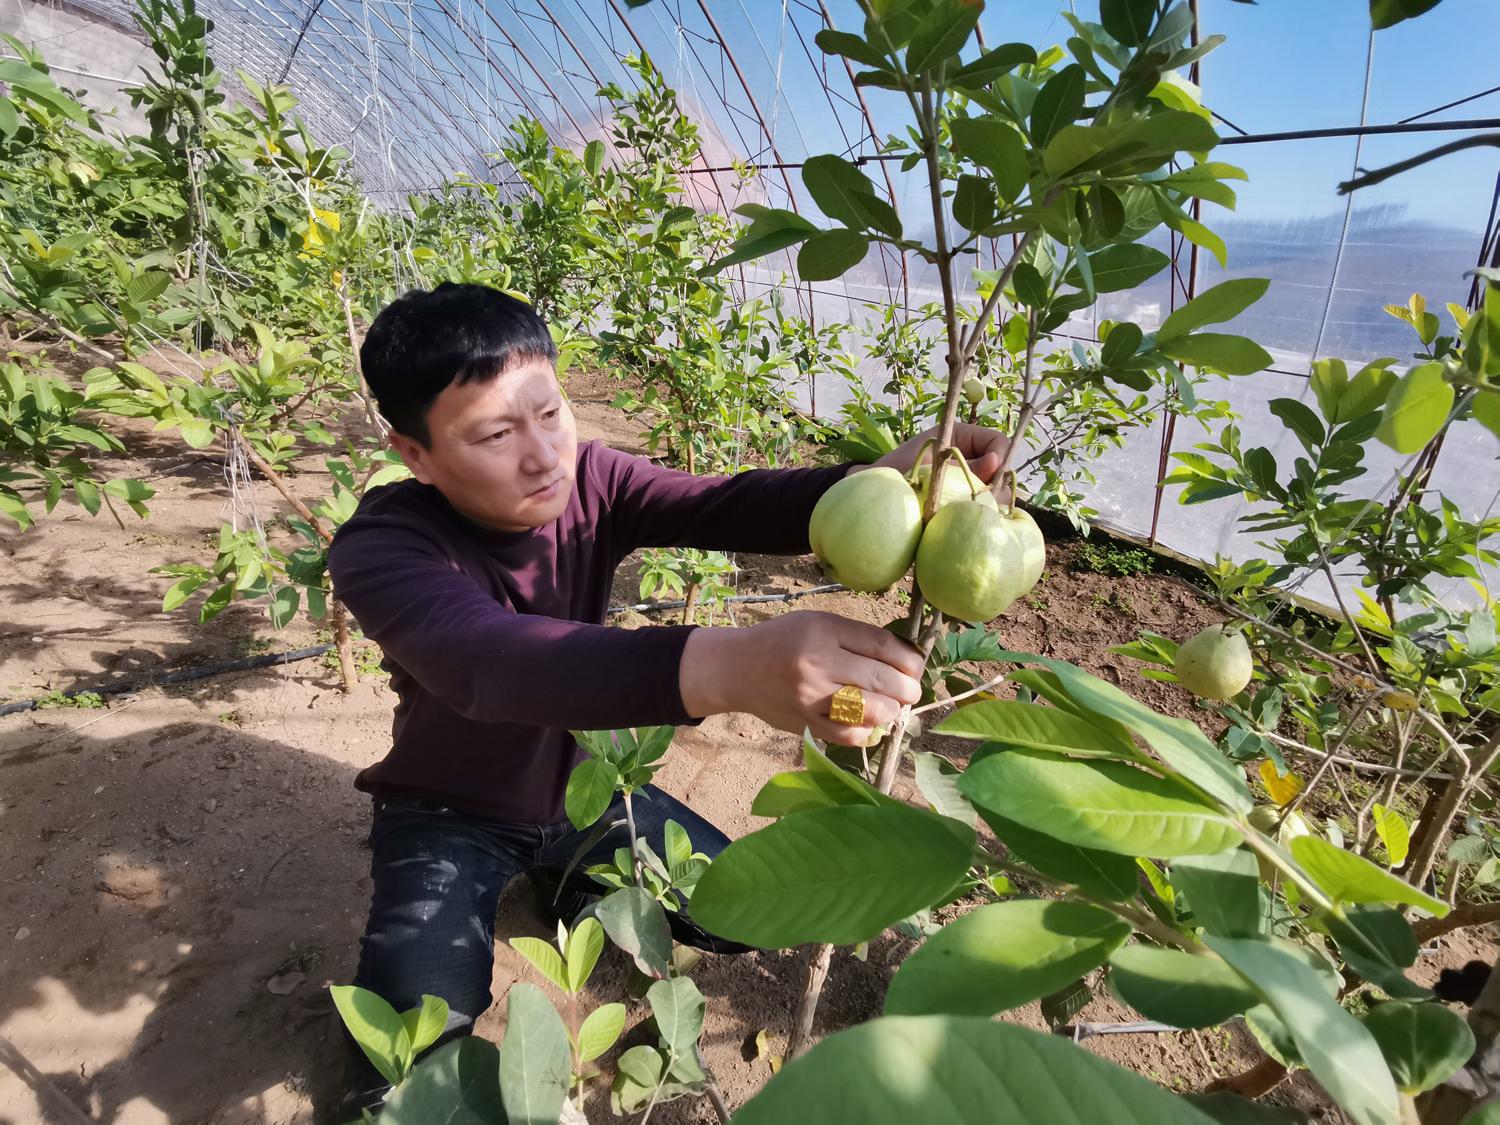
[[495, 640]]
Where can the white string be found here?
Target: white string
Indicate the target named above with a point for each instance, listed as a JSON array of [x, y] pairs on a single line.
[[1338, 257]]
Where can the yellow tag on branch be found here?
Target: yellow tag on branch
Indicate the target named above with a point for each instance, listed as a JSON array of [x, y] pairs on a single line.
[[1283, 788]]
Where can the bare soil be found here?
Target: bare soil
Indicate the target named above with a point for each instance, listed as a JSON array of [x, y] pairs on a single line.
[[183, 869]]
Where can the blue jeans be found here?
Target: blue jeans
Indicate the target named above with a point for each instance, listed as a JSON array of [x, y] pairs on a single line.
[[438, 876]]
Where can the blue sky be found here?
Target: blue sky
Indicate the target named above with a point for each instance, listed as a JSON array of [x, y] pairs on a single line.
[[1287, 64]]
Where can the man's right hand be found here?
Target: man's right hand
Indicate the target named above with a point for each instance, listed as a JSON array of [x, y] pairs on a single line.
[[786, 670]]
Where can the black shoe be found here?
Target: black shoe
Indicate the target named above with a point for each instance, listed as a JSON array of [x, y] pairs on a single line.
[[365, 1088]]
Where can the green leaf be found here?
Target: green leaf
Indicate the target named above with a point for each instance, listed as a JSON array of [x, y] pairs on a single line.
[[937, 779], [1004, 955], [1423, 1044], [1329, 377], [146, 287], [1341, 1054], [1224, 892], [600, 1031], [1224, 301], [839, 875], [1393, 833], [1122, 343], [1030, 286], [1133, 145], [992, 65], [1416, 408], [1120, 266], [180, 591], [749, 248], [11, 505], [1178, 988], [285, 601], [1181, 744], [1129, 21], [585, 944], [458, 1084], [1217, 351], [846, 195], [993, 145], [953, 1070], [677, 847], [10, 121], [197, 432], [636, 922], [1059, 102], [1367, 391], [974, 202], [1299, 418], [849, 46], [941, 34], [1103, 874], [425, 1023], [1035, 727], [544, 958], [1485, 409], [88, 494], [536, 1058], [591, 789], [678, 1007], [1388, 13], [831, 254], [1096, 804], [377, 1029], [821, 785], [1347, 877]]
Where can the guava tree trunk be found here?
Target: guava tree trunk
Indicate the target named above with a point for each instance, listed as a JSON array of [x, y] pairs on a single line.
[[1452, 798], [339, 616], [690, 604]]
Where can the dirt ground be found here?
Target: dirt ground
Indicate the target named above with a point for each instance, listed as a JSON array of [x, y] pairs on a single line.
[[183, 870]]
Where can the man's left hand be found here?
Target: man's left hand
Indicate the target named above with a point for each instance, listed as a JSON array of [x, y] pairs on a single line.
[[982, 447]]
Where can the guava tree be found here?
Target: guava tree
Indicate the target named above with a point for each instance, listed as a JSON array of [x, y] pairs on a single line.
[[1373, 727], [1137, 823]]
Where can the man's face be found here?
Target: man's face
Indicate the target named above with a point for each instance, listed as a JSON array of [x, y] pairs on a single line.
[[502, 452]]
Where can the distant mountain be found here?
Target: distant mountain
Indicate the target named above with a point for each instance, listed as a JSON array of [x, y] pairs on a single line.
[[1387, 257]]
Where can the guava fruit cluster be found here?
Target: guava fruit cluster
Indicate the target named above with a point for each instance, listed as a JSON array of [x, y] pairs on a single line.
[[973, 559]]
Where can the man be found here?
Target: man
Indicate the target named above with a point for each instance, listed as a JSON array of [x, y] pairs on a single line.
[[485, 581]]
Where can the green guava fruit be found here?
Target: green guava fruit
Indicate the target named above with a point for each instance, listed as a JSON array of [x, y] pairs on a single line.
[[1215, 663], [1033, 547], [969, 563], [974, 390], [1263, 819], [959, 483], [864, 530]]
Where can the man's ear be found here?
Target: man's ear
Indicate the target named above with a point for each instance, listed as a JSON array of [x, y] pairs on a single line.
[[413, 453]]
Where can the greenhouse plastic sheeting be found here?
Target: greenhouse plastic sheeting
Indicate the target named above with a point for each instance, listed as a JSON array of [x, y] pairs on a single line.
[[418, 90]]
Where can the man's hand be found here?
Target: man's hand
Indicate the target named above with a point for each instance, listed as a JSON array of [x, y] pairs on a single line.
[[983, 447], [786, 670]]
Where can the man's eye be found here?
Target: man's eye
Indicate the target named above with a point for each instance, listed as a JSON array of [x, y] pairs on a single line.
[[550, 414], [498, 434]]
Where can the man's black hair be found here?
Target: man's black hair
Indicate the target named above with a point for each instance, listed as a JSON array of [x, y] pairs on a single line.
[[423, 341]]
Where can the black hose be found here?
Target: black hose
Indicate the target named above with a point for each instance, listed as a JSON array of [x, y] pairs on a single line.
[[181, 675], [203, 672]]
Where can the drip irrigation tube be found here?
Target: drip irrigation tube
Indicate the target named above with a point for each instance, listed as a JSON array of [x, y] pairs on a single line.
[[183, 675]]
